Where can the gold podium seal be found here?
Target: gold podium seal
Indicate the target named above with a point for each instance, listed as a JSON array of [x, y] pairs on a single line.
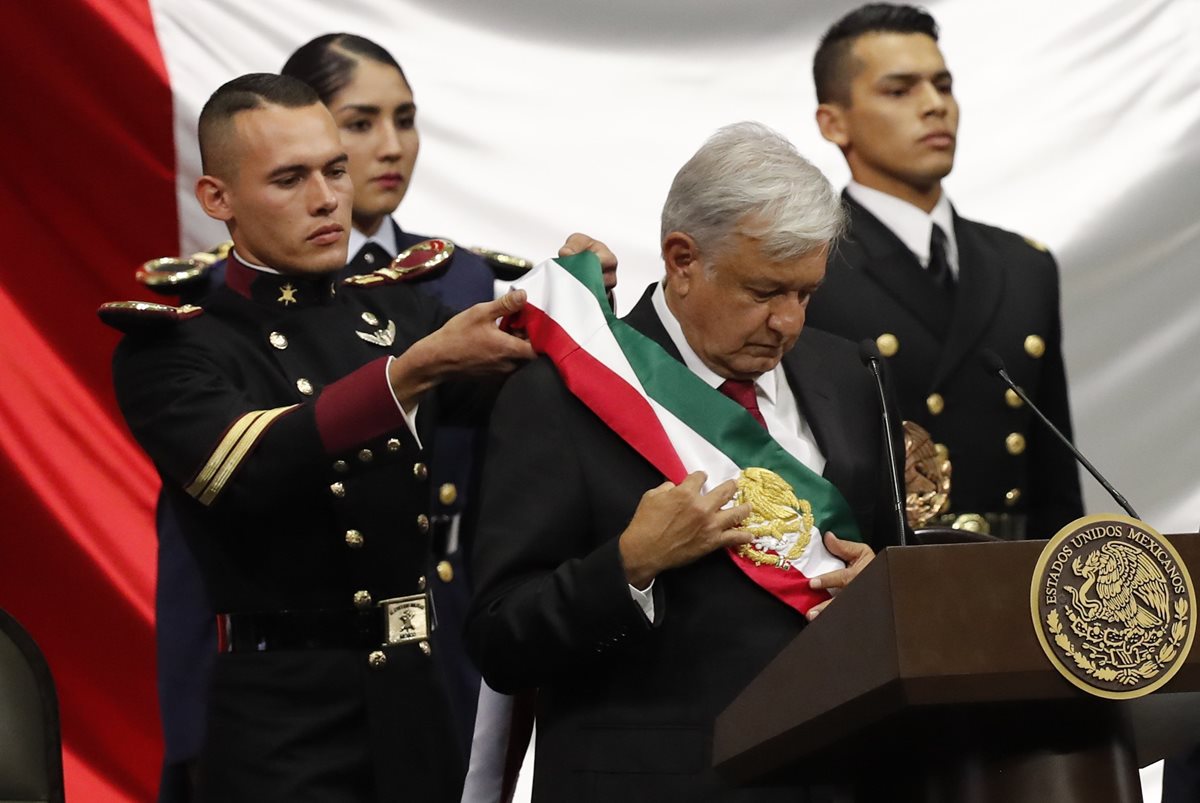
[[1112, 606]]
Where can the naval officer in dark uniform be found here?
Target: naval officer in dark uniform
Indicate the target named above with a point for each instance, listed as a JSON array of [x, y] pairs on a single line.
[[290, 418], [933, 289]]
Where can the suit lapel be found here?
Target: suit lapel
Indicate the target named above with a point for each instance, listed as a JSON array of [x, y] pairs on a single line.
[[874, 249], [817, 398], [977, 298], [644, 318]]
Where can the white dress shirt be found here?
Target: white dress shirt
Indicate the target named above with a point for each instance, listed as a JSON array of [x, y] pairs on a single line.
[[912, 225]]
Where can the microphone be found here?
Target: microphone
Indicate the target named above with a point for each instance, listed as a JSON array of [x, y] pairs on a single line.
[[995, 366], [870, 356]]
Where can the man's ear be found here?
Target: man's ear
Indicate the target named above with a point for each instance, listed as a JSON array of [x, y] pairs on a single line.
[[831, 119], [681, 257], [213, 195]]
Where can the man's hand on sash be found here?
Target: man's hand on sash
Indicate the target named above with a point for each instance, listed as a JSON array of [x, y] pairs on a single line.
[[855, 554], [677, 524]]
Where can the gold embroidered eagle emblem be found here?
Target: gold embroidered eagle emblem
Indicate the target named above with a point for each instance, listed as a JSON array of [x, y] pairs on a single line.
[[781, 522]]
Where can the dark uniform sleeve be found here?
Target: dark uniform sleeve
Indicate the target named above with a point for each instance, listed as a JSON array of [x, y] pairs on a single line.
[[224, 448], [551, 590]]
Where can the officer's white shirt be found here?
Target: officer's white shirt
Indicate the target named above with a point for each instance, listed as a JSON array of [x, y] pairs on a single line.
[[912, 225]]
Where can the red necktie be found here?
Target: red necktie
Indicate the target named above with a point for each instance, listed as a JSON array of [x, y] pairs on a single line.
[[742, 392]]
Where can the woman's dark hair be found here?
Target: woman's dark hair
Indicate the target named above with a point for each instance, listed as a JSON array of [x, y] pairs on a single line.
[[327, 63]]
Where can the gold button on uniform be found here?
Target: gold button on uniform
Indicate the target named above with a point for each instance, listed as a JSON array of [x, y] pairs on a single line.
[[354, 539], [1012, 497], [304, 386], [888, 344], [421, 583], [362, 600], [278, 340], [1012, 399], [942, 450], [338, 490], [424, 647], [393, 444], [377, 659], [341, 466], [420, 471], [445, 571], [935, 403], [423, 523], [1034, 346], [366, 456], [1015, 443], [370, 319], [447, 494]]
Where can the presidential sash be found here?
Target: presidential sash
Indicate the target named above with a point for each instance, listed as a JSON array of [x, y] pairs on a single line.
[[680, 424]]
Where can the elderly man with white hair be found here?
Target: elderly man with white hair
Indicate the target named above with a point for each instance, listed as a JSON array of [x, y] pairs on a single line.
[[640, 608]]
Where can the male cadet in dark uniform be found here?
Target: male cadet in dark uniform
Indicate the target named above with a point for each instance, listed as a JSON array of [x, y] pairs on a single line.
[[932, 289], [288, 419], [185, 627]]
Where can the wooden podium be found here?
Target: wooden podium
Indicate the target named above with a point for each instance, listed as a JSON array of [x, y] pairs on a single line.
[[924, 682]]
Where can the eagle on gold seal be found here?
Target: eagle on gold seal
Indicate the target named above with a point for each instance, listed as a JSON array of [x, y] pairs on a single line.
[[781, 522], [1111, 601]]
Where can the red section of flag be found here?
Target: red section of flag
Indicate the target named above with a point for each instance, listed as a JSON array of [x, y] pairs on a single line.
[[88, 194]]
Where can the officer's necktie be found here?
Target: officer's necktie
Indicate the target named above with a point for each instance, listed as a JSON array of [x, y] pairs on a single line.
[[742, 392], [939, 265]]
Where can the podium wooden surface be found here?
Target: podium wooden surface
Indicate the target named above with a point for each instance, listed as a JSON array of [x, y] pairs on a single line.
[[924, 681]]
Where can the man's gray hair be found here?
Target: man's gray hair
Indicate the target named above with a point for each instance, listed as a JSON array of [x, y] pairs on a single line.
[[748, 179]]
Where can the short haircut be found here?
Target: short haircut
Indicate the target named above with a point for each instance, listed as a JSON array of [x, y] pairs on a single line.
[[834, 67], [327, 63], [751, 180], [244, 93]]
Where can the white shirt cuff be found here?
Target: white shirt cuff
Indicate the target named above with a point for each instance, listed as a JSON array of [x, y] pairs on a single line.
[[410, 417], [645, 600]]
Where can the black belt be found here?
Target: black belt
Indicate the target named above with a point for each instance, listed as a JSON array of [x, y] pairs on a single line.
[[394, 621]]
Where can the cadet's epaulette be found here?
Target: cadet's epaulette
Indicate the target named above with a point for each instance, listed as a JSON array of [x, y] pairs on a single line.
[[424, 260], [215, 254], [172, 275], [1038, 244], [142, 316], [506, 266]]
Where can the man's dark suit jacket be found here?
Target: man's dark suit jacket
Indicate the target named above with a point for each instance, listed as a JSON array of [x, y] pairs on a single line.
[[1003, 459], [625, 708]]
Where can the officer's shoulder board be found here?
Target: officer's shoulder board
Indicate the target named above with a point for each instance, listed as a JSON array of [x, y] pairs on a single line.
[[425, 260], [506, 266], [1036, 244], [136, 317], [174, 275]]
